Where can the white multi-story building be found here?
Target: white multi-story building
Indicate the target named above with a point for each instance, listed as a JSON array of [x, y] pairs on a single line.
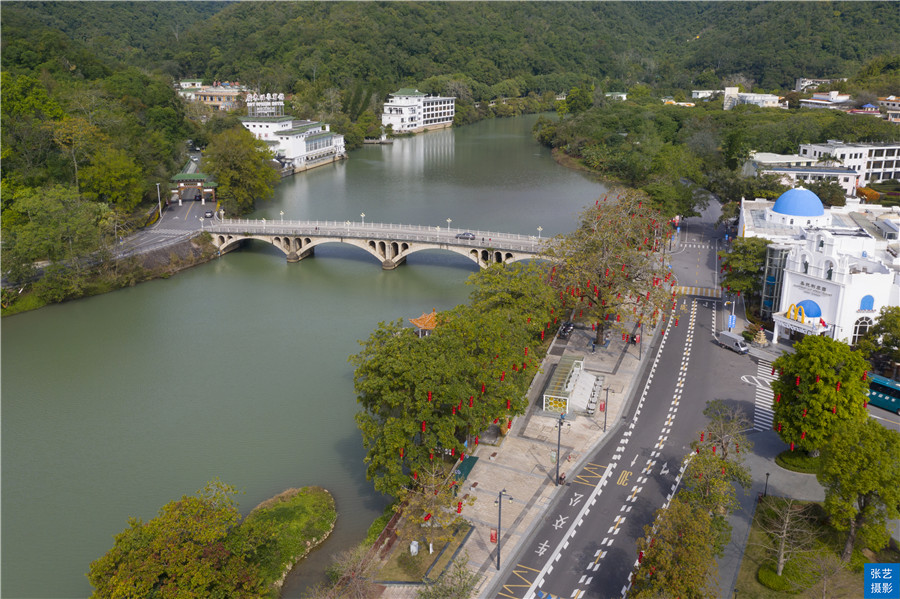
[[410, 111], [733, 98], [297, 144], [830, 99], [827, 272], [794, 169], [873, 162]]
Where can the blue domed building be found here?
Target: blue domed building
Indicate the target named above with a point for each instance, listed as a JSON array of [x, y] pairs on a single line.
[[798, 207], [827, 271]]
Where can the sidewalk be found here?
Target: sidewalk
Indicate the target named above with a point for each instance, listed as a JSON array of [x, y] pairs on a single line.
[[523, 463]]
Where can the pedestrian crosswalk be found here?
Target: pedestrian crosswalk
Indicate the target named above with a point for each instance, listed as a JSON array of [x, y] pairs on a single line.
[[763, 415], [700, 246], [699, 291]]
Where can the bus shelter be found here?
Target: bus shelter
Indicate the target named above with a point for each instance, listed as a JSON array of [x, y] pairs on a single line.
[[559, 390]]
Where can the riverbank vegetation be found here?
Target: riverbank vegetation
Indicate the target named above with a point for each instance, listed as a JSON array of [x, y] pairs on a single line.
[[199, 546]]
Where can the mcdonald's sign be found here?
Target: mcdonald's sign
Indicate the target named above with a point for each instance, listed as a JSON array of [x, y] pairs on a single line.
[[795, 312]]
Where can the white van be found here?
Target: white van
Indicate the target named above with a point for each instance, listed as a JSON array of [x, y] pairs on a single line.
[[733, 341]]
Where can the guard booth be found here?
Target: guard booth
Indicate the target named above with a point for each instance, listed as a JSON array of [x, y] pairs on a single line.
[[559, 390], [193, 187]]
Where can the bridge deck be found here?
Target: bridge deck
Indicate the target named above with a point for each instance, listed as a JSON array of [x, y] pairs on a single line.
[[528, 244]]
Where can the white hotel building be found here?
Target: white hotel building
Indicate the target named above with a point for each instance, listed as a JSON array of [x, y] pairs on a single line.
[[827, 272], [298, 144], [411, 111]]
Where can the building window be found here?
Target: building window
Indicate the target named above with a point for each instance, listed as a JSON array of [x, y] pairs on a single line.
[[805, 267], [860, 328], [867, 304], [830, 272]]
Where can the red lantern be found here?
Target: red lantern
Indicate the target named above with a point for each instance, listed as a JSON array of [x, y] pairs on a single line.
[[453, 410], [496, 420], [427, 517], [865, 374], [817, 378], [482, 384], [792, 446], [415, 476], [476, 439], [502, 375], [429, 396], [452, 452], [401, 452], [459, 507], [839, 386], [702, 434], [526, 352], [714, 450], [507, 406], [804, 412], [542, 338], [676, 322], [798, 380], [471, 401], [834, 409], [723, 470], [773, 371], [508, 424], [778, 398], [779, 427], [803, 435], [423, 426], [430, 455], [462, 455]]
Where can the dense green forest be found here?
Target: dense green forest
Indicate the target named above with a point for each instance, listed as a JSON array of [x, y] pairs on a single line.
[[90, 120]]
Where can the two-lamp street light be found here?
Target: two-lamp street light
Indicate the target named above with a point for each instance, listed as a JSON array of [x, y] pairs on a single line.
[[559, 426], [539, 229], [362, 215], [448, 224], [499, 503]]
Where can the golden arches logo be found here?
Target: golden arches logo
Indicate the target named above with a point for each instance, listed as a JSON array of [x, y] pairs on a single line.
[[795, 312]]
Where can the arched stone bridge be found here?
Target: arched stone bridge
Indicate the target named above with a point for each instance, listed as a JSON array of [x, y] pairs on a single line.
[[388, 243]]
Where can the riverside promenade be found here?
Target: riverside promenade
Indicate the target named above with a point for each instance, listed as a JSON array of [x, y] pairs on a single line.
[[523, 461]]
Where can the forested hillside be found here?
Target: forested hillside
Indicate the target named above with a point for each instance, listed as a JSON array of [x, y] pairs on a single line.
[[670, 45]]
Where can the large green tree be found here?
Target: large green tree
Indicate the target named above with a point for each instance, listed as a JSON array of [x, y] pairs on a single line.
[[186, 551], [743, 265], [612, 268], [676, 555], [861, 476], [425, 399], [113, 178], [882, 341], [242, 166], [819, 389]]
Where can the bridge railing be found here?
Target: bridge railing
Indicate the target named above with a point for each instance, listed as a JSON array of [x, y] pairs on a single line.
[[386, 231]]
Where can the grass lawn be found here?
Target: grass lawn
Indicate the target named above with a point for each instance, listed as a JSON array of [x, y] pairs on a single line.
[[846, 584], [401, 566], [293, 522]]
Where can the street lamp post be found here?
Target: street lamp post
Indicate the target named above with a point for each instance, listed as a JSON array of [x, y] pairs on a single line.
[[766, 490], [362, 215], [348, 226], [499, 503], [448, 224], [606, 411], [159, 201], [559, 425], [539, 229], [282, 216]]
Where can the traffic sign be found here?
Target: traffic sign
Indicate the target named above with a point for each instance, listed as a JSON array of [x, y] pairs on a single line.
[[731, 321]]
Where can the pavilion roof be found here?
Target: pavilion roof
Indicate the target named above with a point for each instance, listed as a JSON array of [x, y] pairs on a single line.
[[426, 321]]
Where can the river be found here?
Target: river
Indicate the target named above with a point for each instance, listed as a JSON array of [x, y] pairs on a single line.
[[114, 405]]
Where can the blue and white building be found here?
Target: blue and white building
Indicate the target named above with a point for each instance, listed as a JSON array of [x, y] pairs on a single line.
[[298, 144], [828, 272]]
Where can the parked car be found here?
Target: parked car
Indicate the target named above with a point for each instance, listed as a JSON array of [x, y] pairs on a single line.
[[733, 341], [466, 235], [208, 214]]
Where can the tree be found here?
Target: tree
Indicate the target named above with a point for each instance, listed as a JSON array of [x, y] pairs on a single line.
[[242, 166], [430, 507], [113, 178], [579, 99], [829, 192], [786, 524], [861, 475], [457, 582], [186, 551], [611, 267], [675, 555], [882, 341], [744, 264], [77, 137], [820, 388]]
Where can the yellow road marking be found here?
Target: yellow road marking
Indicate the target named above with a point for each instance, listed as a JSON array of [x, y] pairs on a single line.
[[509, 587]]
